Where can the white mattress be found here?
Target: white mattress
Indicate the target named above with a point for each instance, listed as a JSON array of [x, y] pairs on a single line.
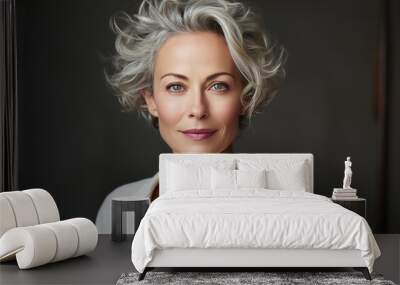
[[253, 218]]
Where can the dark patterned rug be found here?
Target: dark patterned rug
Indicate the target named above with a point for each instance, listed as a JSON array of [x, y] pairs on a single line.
[[230, 278]]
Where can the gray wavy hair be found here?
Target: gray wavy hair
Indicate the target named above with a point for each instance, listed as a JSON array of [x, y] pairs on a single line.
[[140, 37]]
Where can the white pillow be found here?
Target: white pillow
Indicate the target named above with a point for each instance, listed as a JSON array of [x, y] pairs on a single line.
[[236, 179], [188, 175], [223, 179], [282, 174], [251, 178]]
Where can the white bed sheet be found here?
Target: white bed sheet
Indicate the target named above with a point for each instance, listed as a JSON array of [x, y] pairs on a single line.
[[250, 218]]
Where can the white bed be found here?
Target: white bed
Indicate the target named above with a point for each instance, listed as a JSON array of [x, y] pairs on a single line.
[[282, 224]]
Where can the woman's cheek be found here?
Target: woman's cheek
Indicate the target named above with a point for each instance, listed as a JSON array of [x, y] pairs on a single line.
[[170, 109], [227, 112]]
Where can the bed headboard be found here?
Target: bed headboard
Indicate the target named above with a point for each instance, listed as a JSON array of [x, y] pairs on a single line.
[[307, 157]]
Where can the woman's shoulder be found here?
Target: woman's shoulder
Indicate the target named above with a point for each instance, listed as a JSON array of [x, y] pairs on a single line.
[[139, 188]]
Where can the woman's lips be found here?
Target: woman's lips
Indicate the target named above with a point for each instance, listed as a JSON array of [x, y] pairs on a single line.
[[198, 134]]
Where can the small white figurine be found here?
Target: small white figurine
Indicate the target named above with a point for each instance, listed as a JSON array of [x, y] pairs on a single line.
[[347, 174]]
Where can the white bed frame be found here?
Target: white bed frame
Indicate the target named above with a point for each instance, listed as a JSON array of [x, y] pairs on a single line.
[[250, 257]]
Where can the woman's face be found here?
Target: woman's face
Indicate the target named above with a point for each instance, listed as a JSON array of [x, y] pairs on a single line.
[[196, 93]]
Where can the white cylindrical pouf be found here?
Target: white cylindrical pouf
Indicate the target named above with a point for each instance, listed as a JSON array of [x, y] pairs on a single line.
[[67, 239], [45, 205], [23, 208], [87, 234], [34, 245], [7, 218]]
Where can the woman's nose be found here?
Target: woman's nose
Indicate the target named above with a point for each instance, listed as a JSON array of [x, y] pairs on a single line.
[[198, 107]]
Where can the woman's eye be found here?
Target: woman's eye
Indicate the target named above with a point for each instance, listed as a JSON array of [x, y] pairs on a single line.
[[220, 86], [175, 88]]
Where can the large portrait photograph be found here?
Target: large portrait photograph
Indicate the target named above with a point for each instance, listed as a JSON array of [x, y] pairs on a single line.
[[199, 142]]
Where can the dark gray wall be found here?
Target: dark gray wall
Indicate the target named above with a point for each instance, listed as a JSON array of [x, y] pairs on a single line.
[[75, 142], [392, 199]]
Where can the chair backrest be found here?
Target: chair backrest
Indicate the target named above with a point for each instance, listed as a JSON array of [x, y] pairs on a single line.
[[26, 208], [263, 158]]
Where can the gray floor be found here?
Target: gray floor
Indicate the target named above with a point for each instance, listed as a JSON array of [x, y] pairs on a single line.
[[110, 260], [102, 266]]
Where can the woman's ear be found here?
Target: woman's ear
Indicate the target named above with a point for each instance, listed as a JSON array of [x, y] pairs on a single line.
[[150, 102]]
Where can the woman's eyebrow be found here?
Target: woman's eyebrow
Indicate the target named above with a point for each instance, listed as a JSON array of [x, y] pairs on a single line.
[[207, 79]]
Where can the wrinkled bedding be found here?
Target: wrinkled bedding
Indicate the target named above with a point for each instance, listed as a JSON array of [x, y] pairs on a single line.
[[251, 218]]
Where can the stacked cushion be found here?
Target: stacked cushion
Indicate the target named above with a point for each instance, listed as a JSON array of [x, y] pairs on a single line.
[[37, 245]]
